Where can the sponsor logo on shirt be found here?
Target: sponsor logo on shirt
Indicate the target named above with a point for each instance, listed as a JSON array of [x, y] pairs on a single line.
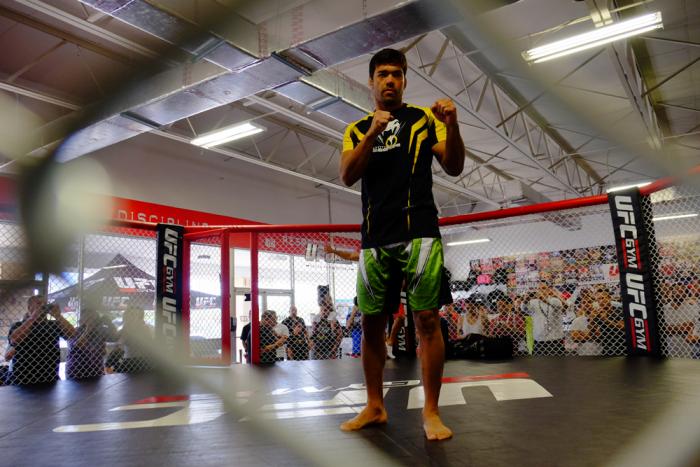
[[389, 138]]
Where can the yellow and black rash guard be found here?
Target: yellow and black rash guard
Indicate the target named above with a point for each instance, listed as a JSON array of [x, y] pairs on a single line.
[[397, 196]]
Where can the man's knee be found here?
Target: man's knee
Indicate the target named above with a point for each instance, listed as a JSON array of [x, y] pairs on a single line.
[[427, 321]]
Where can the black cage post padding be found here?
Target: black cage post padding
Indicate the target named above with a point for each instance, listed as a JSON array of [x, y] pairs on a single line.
[[169, 285], [636, 247]]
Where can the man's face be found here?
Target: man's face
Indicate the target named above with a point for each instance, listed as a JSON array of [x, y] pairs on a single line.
[[602, 298], [35, 303], [387, 85], [293, 311], [270, 320], [504, 307]]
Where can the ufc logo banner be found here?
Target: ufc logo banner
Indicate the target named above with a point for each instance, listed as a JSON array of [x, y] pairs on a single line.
[[169, 285], [635, 242]]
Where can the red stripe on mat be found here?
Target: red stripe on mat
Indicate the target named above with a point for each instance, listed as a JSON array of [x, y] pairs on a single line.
[[160, 399], [463, 379]]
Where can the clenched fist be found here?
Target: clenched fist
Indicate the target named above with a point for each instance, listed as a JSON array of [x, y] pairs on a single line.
[[379, 122], [445, 111]]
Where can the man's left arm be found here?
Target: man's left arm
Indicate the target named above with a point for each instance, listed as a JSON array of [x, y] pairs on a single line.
[[450, 151], [67, 329]]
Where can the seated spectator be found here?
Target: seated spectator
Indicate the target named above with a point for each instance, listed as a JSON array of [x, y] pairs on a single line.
[[35, 341], [5, 369], [298, 343], [451, 317], [509, 322], [87, 346], [270, 341], [135, 337], [475, 320], [326, 333]]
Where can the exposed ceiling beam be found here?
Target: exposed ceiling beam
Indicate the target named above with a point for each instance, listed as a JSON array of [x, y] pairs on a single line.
[[89, 27], [83, 25], [496, 131], [672, 75], [557, 82], [459, 35], [43, 97], [237, 155], [338, 136], [678, 107], [672, 41]]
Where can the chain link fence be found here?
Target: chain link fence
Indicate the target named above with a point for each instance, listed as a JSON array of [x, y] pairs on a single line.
[[87, 321], [549, 282], [677, 256], [205, 320], [306, 295]]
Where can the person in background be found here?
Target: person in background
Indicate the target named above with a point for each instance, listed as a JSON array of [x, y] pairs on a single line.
[[608, 324], [293, 319], [298, 343], [326, 333], [354, 326], [452, 318], [135, 337], [86, 349], [245, 337], [5, 369], [509, 321], [35, 340], [281, 331], [582, 330], [680, 313], [547, 311], [270, 341], [475, 320]]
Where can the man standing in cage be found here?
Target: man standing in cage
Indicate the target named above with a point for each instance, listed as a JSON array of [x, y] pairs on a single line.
[[391, 151]]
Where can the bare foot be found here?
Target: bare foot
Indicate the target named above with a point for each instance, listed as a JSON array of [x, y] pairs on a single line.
[[434, 428], [368, 416]]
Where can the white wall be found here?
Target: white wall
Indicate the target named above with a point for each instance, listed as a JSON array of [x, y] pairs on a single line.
[[157, 170]]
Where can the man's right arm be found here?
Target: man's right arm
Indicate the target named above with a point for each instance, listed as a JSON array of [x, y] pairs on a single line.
[[22, 331], [354, 161], [346, 255]]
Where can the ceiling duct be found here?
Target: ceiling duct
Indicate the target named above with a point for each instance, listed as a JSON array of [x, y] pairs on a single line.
[[238, 73], [373, 33], [171, 29], [167, 101]]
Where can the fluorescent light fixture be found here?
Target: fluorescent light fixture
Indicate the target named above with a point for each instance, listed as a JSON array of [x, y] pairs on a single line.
[[626, 187], [469, 242], [675, 216], [230, 133], [594, 38]]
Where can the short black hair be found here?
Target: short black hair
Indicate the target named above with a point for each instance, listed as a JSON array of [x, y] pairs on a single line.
[[388, 57]]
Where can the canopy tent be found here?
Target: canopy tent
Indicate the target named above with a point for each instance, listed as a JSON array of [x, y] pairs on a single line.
[[120, 284]]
